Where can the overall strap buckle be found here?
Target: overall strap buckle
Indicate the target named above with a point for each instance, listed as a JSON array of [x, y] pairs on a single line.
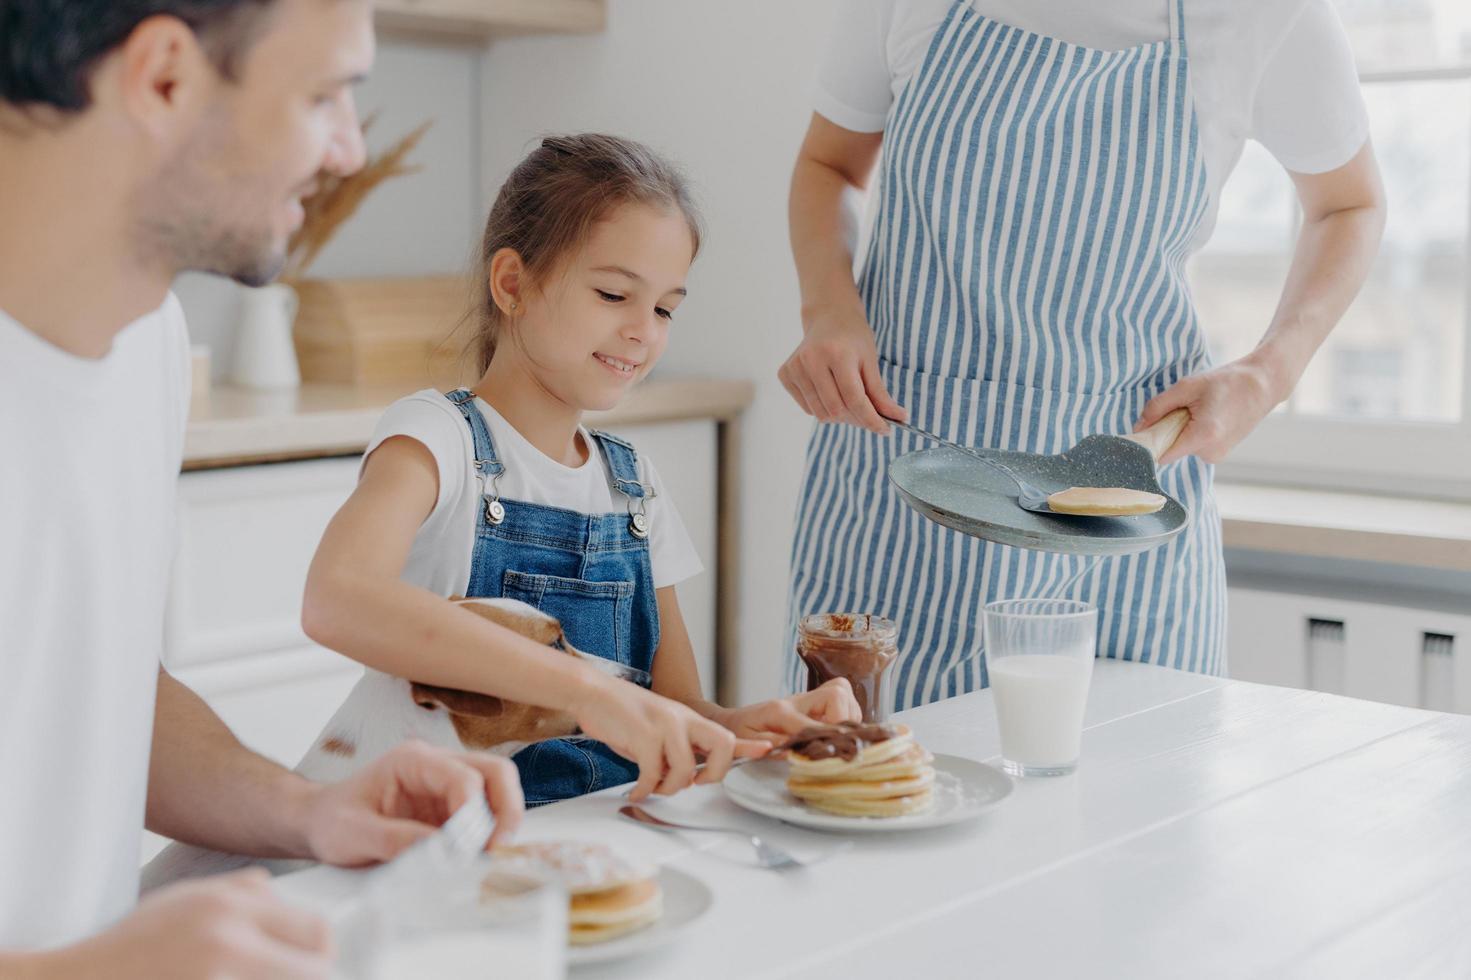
[[638, 521], [623, 464], [487, 467]]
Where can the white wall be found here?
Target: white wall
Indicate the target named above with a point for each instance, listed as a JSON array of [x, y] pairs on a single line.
[[417, 224], [723, 88]]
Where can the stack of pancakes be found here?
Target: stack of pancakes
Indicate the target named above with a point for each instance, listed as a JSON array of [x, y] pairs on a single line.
[[861, 770], [609, 896]]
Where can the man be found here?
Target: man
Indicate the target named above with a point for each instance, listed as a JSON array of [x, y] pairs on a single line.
[[139, 138]]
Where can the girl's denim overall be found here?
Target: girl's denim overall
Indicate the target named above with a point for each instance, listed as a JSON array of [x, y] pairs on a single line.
[[590, 571]]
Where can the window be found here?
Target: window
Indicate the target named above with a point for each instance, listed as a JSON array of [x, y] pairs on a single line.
[[1386, 397]]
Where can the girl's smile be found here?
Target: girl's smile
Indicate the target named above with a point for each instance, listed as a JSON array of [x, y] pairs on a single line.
[[619, 366]]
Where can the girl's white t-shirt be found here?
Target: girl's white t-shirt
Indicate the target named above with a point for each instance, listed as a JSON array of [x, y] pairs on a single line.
[[440, 557], [1276, 71]]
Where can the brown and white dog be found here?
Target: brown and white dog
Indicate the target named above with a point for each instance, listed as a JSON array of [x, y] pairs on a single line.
[[382, 711]]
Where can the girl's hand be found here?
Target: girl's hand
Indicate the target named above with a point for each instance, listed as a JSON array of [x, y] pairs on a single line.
[[780, 719], [1226, 403], [834, 373], [661, 735]]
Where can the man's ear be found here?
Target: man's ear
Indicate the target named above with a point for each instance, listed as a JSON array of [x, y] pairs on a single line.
[[158, 74]]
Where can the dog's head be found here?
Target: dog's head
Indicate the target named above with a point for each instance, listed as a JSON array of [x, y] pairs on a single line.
[[483, 721]]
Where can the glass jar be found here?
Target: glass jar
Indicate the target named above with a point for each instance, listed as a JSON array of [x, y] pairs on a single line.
[[858, 646], [442, 920]]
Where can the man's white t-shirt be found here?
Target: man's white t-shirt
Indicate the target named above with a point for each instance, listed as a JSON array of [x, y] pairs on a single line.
[[439, 559], [89, 462], [1277, 71]]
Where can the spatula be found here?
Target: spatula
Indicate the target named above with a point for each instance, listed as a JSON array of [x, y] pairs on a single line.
[[1101, 499]]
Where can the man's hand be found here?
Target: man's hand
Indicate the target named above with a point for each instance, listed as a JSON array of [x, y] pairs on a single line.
[[232, 926], [403, 798], [1226, 403], [779, 719]]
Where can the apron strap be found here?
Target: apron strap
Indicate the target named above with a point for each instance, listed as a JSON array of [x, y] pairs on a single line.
[[1177, 20]]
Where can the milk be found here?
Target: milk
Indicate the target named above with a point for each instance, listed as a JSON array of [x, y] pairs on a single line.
[[1039, 702]]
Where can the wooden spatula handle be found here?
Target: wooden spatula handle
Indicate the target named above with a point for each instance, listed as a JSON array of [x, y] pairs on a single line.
[[1160, 436]]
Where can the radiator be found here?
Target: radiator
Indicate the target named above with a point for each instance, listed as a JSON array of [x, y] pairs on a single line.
[[1415, 657]]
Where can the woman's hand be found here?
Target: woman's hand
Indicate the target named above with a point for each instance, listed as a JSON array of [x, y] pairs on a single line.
[[1343, 217], [1226, 403], [403, 797], [661, 735], [834, 373], [781, 718]]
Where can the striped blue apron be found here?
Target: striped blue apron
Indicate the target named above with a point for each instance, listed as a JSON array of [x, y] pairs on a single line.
[[1025, 282]]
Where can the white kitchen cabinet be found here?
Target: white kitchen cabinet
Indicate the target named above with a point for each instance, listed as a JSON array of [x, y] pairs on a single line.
[[246, 537], [685, 454], [1396, 654]]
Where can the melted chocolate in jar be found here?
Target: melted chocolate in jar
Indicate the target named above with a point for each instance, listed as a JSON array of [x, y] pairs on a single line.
[[843, 741], [853, 646]]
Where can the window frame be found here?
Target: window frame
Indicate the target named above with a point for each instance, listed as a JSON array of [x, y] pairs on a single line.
[[1423, 458]]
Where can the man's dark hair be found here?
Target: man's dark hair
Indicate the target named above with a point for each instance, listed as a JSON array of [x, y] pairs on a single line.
[[49, 48]]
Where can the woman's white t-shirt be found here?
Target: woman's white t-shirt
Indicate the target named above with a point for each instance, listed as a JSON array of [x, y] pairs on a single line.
[[440, 557], [1277, 71]]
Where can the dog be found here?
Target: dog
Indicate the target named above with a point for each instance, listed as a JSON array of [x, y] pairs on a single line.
[[381, 712]]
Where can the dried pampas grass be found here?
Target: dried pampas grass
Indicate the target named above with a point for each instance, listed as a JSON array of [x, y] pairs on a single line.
[[337, 198]]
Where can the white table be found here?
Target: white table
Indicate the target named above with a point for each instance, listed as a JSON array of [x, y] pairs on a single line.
[[1214, 829]]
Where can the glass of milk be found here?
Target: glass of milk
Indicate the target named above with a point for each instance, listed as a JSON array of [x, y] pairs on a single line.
[[463, 922], [1039, 656]]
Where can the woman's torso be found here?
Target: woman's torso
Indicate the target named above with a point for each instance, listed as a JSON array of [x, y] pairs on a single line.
[[1277, 71]]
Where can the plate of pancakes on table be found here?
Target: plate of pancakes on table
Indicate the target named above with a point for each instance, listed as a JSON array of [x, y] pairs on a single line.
[[617, 906], [862, 776]]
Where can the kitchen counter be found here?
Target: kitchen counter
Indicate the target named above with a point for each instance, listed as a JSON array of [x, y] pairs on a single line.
[[230, 426], [1214, 829]]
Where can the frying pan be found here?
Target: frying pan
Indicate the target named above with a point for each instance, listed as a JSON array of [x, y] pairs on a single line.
[[953, 488]]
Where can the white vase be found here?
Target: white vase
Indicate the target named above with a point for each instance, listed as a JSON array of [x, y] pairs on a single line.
[[265, 354]]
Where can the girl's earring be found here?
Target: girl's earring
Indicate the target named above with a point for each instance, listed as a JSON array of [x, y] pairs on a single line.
[[514, 307]]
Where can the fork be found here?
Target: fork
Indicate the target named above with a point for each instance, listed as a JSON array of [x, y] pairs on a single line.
[[1028, 496], [769, 855]]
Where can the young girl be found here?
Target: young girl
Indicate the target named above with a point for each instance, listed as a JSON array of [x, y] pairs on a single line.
[[500, 491]]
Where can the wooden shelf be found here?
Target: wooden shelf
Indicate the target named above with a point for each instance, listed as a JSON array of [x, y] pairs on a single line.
[[480, 20]]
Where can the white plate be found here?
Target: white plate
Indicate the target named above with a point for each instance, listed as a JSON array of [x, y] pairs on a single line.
[[685, 899], [964, 789]]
